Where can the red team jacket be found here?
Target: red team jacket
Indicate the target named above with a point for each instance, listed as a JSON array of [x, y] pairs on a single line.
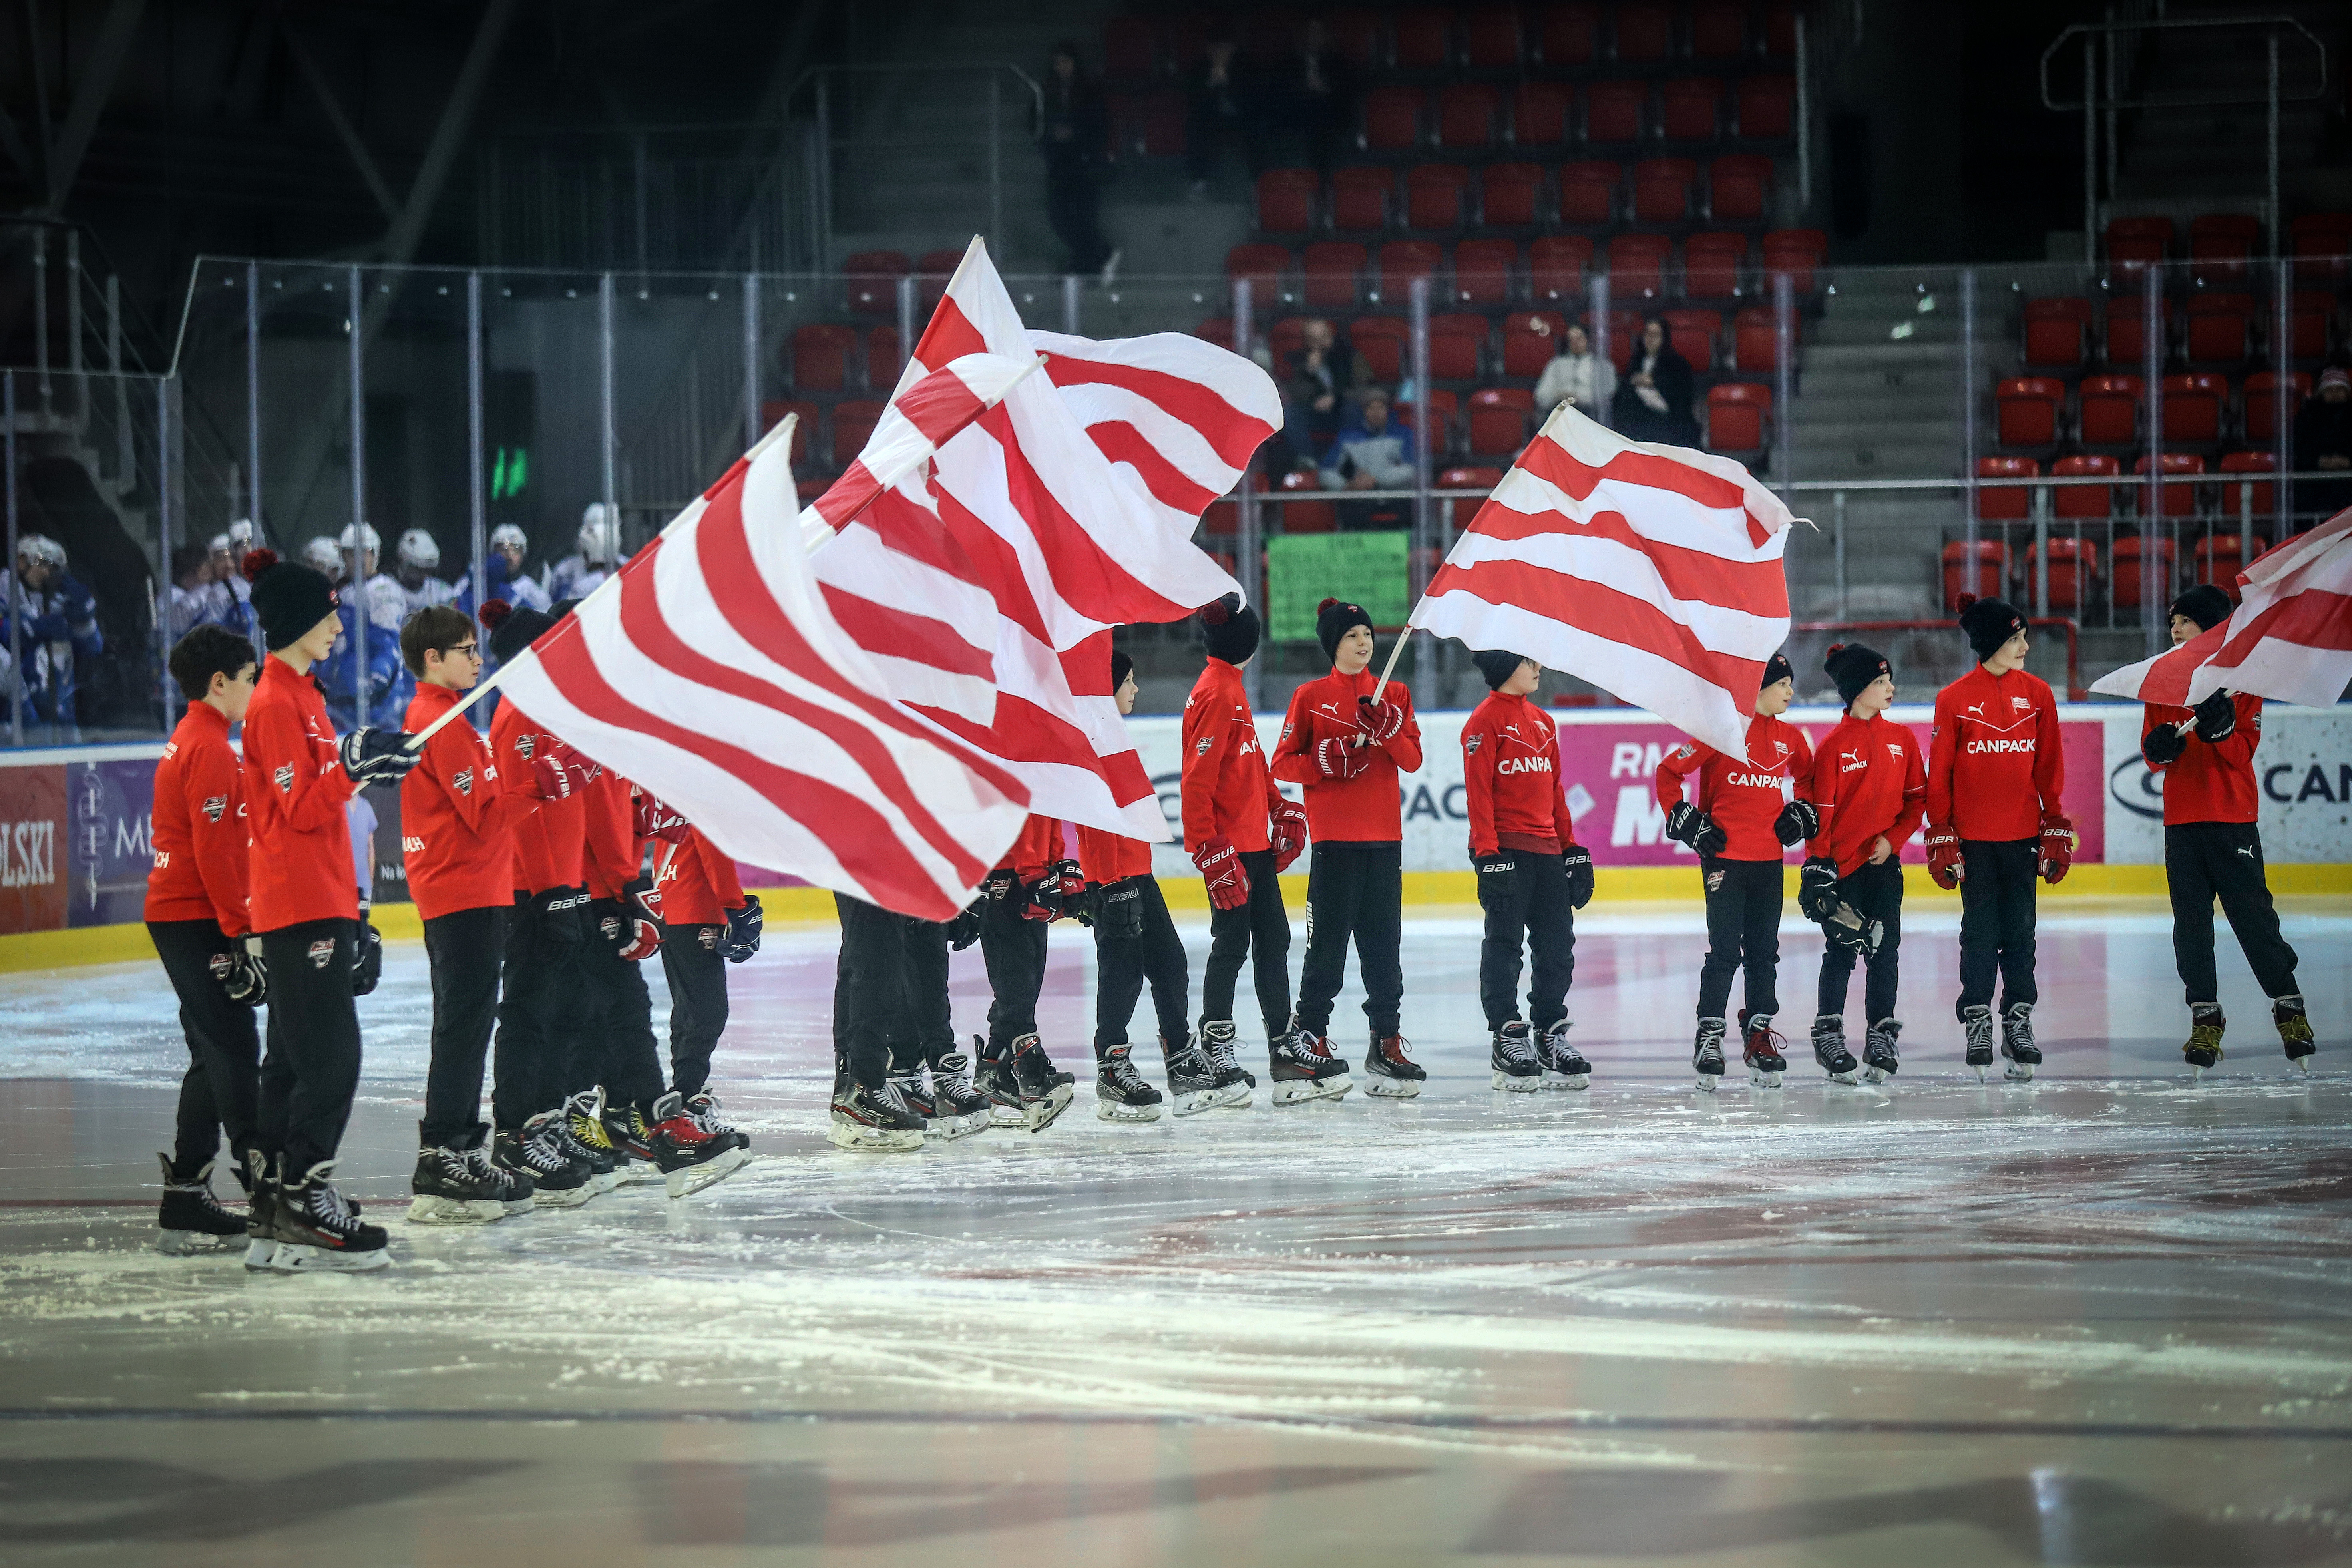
[[1366, 809], [551, 844], [1996, 766], [202, 837], [1743, 796], [295, 795], [2210, 781], [614, 854], [1510, 773], [457, 817], [1038, 846], [698, 884], [1869, 779], [1108, 858], [1227, 791]]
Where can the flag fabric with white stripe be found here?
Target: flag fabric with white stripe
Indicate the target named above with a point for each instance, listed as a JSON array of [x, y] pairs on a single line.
[[710, 671], [2290, 638], [1652, 572]]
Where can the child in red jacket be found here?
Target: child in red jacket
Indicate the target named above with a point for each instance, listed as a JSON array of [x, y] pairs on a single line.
[[1870, 783], [1532, 875], [1027, 892], [708, 922], [1748, 809], [1996, 768], [196, 912], [1345, 750]]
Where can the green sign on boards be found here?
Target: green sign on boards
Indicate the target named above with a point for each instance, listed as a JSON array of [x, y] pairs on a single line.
[[1302, 571]]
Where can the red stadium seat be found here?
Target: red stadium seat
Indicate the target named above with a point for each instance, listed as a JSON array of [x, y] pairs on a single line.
[[1637, 266], [1393, 118], [1217, 329], [2221, 245], [1694, 335], [2247, 463], [1530, 339], [1556, 263], [872, 276], [1509, 195], [2006, 504], [1539, 114], [1736, 413], [2220, 557], [2027, 410], [1490, 39], [1739, 187], [1360, 197], [1569, 35], [1712, 264], [2127, 587], [1719, 30], [2127, 339], [1458, 344], [1661, 189], [2076, 501], [1433, 195], [1333, 270], [1612, 111], [1755, 343], [1985, 582], [1482, 480], [2135, 244], [1644, 32], [932, 275], [1767, 107], [1624, 326], [2056, 333], [2179, 499], [1130, 52], [1286, 201], [1483, 269], [2321, 241], [1286, 337], [1160, 123], [1267, 266], [1309, 513], [772, 414], [2110, 410], [1689, 108], [1444, 406], [821, 356], [1466, 115], [1797, 252], [2308, 323], [881, 356], [2074, 567], [1781, 30], [2261, 405], [1401, 261], [1588, 193], [1423, 39], [2193, 406], [1380, 341], [853, 424], [1499, 420]]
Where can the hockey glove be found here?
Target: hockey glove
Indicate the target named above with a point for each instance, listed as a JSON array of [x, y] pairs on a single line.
[[551, 779], [632, 923], [1337, 757], [1381, 720], [964, 929], [2057, 847], [242, 974], [367, 959], [1221, 868], [561, 915], [373, 756], [654, 820], [999, 885], [1073, 879], [1083, 906], [1577, 862], [1042, 900], [2217, 718], [1496, 873], [743, 924], [2163, 746], [1686, 824], [1118, 913], [1289, 834], [1817, 889], [1846, 927], [1797, 823], [1944, 862]]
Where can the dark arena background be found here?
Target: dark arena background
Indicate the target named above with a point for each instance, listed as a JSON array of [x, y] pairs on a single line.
[[2045, 302]]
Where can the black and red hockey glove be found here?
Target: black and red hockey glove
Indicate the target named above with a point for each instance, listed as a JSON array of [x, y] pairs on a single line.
[[1339, 757], [1380, 720], [2057, 846], [1577, 862], [1221, 868], [656, 820], [1289, 834], [1944, 862]]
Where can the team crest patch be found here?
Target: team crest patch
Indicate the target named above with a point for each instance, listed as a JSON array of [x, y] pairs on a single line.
[[285, 777], [524, 744], [1201, 746], [216, 807], [1893, 750], [1714, 881], [322, 952], [464, 780], [1470, 744], [1685, 751], [709, 939], [2015, 703]]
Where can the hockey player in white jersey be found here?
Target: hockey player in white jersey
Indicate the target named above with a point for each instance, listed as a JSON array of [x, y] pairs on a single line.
[[504, 576], [417, 568], [578, 575]]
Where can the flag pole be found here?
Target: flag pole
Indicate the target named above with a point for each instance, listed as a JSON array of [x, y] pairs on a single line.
[[1389, 669]]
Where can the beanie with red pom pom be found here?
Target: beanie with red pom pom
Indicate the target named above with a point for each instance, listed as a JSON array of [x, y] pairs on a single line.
[[512, 630], [1334, 618], [1229, 629], [288, 598]]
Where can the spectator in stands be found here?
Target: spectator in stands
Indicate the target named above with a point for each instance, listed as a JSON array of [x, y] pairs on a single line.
[[1325, 375], [58, 633], [1371, 454], [1654, 402], [1312, 98], [1220, 106], [2322, 439], [1072, 133], [1576, 374], [192, 583]]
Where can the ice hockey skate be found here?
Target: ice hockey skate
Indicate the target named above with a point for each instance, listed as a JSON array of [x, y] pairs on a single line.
[[1976, 1028], [1217, 1046], [1304, 1068], [1120, 1092], [462, 1187], [1513, 1060], [704, 1108], [871, 1121], [1759, 1048], [1706, 1054], [631, 1140], [1195, 1081], [1044, 1091], [583, 1125], [535, 1153], [2017, 1047], [2294, 1031], [1829, 1049], [2202, 1048], [261, 1219], [691, 1157], [190, 1218], [603, 1165], [1389, 1072], [319, 1230], [1563, 1067], [956, 1108], [1879, 1055]]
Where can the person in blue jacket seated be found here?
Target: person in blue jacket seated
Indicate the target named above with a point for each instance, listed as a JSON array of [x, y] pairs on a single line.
[[56, 622]]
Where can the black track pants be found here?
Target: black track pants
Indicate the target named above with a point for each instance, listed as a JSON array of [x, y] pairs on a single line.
[[1997, 922], [619, 1052], [867, 976], [922, 1025], [312, 1067], [223, 1076], [1743, 932], [698, 1002], [1123, 964], [1014, 952], [2207, 860], [541, 1008], [465, 950], [1535, 915], [1354, 891], [1876, 891], [1258, 930]]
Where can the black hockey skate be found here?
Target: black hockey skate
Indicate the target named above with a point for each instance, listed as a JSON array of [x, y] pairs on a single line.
[[2203, 1046], [556, 1180], [690, 1155], [1976, 1028], [957, 1110], [1759, 1048], [874, 1121], [602, 1166], [1513, 1060], [260, 1216], [460, 1185], [2017, 1043], [1196, 1084], [319, 1231], [1217, 1045], [2294, 1031], [190, 1219], [1389, 1073], [704, 1108], [583, 1125], [993, 1078], [1120, 1093], [1045, 1089], [1563, 1067], [1879, 1058], [1829, 1049], [1302, 1067], [631, 1140], [1706, 1054]]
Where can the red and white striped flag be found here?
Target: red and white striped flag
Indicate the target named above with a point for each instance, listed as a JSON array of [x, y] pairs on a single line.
[[1064, 511], [1652, 572], [709, 671], [2290, 638]]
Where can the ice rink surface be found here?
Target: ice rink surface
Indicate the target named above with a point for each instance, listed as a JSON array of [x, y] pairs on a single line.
[[2102, 1318]]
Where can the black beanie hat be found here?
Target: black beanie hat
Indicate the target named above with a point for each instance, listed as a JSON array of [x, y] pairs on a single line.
[[1497, 665], [1854, 666], [1229, 629], [289, 597], [1333, 620], [2206, 606], [512, 630], [1988, 624], [1777, 667], [1122, 666]]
